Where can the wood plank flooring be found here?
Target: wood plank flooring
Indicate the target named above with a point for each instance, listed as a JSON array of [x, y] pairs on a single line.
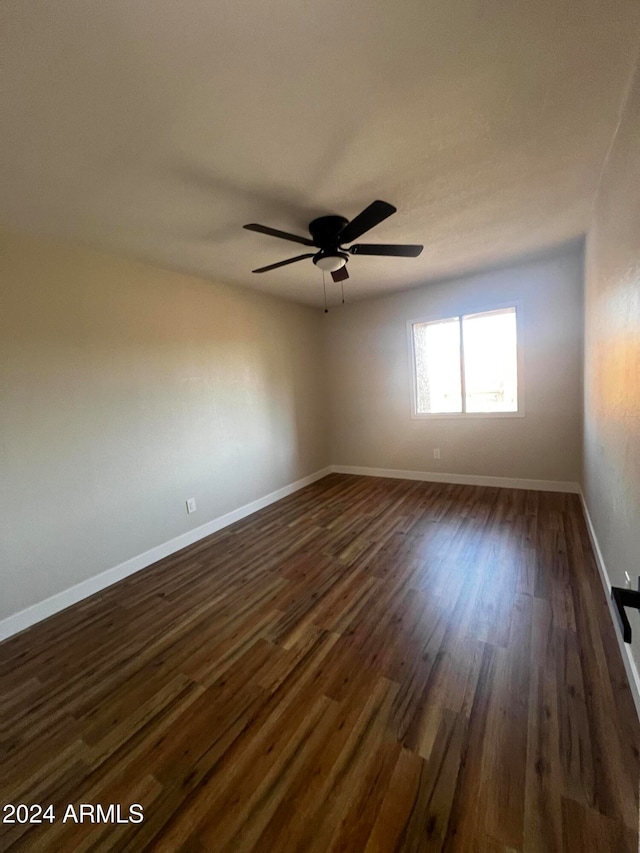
[[368, 665]]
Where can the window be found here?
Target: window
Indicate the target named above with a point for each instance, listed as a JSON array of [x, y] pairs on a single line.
[[466, 365]]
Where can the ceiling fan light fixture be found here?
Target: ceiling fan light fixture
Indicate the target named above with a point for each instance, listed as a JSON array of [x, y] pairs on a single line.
[[330, 262]]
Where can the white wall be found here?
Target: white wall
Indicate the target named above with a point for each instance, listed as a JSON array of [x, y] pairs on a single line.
[[612, 358], [125, 390], [370, 378]]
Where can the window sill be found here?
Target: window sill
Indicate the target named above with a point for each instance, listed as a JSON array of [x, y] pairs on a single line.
[[464, 415]]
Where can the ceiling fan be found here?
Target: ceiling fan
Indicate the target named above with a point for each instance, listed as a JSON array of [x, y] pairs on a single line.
[[330, 233]]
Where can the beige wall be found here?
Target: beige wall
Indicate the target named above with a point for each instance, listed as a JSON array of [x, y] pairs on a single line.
[[370, 378], [612, 357], [125, 390]]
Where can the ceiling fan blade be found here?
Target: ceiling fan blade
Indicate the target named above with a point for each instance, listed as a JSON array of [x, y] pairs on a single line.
[[283, 263], [369, 218], [273, 232], [389, 250], [341, 274]]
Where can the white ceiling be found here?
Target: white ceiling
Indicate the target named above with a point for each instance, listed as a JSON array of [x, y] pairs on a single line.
[[156, 129]]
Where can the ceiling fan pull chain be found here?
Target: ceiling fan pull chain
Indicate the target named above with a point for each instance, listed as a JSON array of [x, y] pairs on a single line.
[[324, 287], [342, 285]]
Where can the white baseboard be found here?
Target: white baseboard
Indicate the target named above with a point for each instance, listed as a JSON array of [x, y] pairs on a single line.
[[462, 479], [43, 609], [625, 649]]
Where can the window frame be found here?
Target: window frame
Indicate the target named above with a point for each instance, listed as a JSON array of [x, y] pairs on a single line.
[[468, 311]]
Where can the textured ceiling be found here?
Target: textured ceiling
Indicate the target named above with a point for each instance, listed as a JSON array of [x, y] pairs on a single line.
[[156, 129]]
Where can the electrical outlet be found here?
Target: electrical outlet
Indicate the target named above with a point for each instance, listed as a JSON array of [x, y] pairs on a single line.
[[436, 453], [191, 505]]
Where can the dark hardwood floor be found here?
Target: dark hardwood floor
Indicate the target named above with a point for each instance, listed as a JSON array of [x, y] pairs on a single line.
[[368, 665]]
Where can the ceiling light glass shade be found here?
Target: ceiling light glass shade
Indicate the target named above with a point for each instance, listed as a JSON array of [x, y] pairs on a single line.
[[330, 263]]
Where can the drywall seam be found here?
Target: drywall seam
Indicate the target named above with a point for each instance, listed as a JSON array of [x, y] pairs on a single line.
[[625, 650], [626, 93], [60, 601], [461, 479]]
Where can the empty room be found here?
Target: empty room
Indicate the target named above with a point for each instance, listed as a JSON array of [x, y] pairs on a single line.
[[320, 426]]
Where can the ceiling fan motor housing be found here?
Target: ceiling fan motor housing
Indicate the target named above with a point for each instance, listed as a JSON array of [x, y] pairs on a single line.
[[325, 231]]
